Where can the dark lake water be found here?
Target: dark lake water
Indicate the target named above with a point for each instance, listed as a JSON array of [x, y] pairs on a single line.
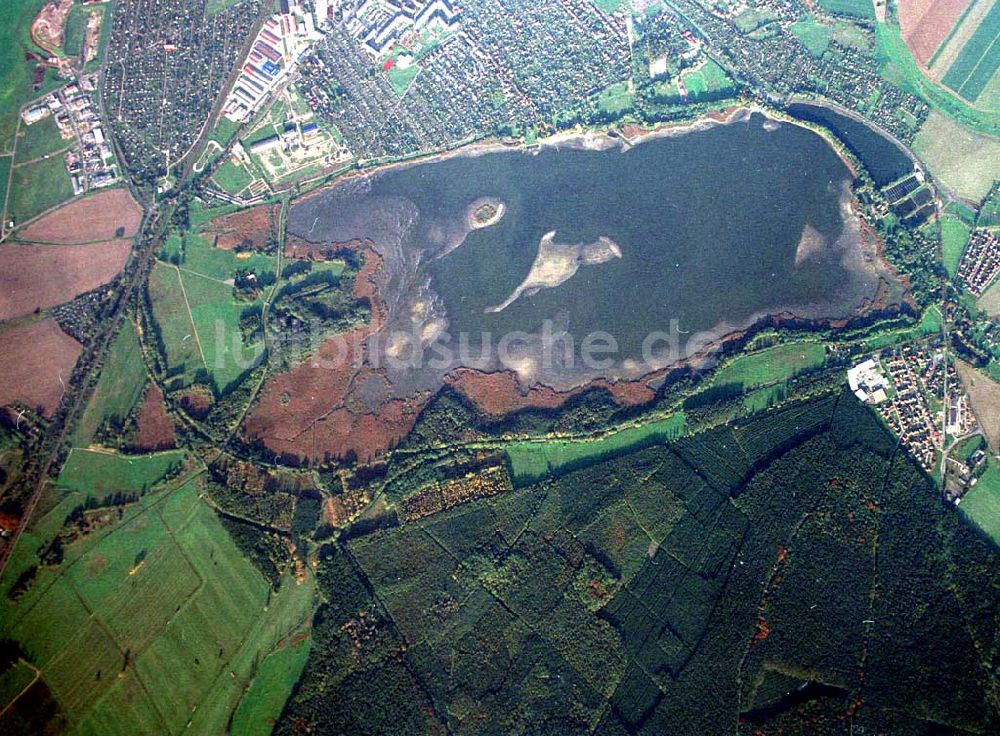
[[716, 228], [883, 159]]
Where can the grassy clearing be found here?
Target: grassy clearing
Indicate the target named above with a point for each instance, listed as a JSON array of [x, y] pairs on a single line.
[[203, 258], [266, 696], [958, 157], [708, 81], [616, 99], [772, 365], [13, 681], [954, 237], [981, 504], [100, 473], [814, 35], [609, 6], [119, 387], [213, 330], [38, 187], [854, 8], [401, 78], [531, 461], [233, 178], [40, 139]]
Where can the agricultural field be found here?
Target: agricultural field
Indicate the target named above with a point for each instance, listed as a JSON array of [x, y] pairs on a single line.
[[40, 139], [198, 312], [978, 58], [100, 473], [989, 302], [959, 158], [984, 395], [160, 601], [41, 276], [927, 23], [35, 360], [118, 390], [108, 214], [15, 74]]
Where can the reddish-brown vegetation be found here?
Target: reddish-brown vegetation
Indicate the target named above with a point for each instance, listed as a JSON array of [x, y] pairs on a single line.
[[312, 411], [35, 361], [155, 428], [250, 229], [40, 276], [926, 23], [109, 214], [501, 393], [296, 247]]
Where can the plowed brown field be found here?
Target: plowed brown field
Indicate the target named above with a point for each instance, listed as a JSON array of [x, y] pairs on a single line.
[[926, 23], [41, 276], [35, 360], [106, 215]]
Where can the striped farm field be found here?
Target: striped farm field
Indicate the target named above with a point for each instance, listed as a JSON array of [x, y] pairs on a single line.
[[978, 59]]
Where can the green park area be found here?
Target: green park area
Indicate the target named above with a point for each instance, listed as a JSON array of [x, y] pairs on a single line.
[[853, 8]]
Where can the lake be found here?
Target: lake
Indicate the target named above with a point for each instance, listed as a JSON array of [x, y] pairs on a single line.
[[707, 230]]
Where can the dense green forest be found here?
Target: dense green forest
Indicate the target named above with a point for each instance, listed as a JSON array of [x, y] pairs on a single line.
[[791, 572]]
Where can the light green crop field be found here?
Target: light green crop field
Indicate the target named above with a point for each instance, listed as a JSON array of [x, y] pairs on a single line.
[[531, 461], [954, 237], [959, 158], [37, 187], [276, 677], [39, 139], [176, 330], [772, 365], [99, 473], [981, 504], [180, 625], [119, 387]]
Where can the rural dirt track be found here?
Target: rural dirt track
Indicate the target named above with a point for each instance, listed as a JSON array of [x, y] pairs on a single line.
[[41, 276], [35, 360]]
